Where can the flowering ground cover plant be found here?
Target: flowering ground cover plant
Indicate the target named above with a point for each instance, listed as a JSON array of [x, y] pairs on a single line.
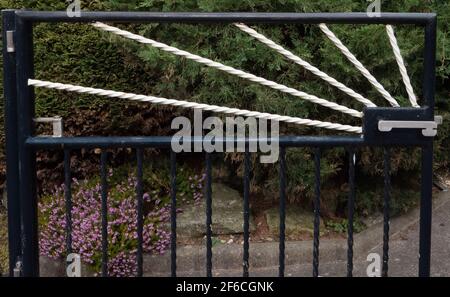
[[122, 217]]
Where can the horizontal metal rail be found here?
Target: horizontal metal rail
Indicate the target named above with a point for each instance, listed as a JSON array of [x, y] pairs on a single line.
[[246, 17], [165, 141]]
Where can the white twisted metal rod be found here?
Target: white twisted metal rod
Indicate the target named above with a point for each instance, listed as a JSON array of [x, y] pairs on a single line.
[[193, 105], [338, 43], [228, 69], [289, 55], [401, 66]]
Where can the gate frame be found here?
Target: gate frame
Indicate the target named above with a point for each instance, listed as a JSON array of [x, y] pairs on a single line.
[[21, 145]]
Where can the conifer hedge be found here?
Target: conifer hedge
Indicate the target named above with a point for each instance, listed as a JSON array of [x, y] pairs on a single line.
[[79, 54]]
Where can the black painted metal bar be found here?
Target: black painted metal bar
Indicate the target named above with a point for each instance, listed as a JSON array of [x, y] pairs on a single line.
[[246, 206], [429, 81], [386, 210], [27, 156], [208, 194], [104, 182], [317, 154], [139, 210], [429, 67], [426, 210], [165, 141], [68, 200], [173, 213], [11, 143], [25, 175], [282, 211], [230, 17], [351, 210]]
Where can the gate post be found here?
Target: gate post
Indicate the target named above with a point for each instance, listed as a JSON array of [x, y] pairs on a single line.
[[427, 150], [426, 206], [27, 156], [12, 161]]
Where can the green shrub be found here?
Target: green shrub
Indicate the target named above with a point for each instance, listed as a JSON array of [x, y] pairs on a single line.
[[4, 262], [179, 78], [81, 55]]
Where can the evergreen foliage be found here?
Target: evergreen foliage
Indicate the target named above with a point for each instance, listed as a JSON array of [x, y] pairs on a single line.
[[79, 54]]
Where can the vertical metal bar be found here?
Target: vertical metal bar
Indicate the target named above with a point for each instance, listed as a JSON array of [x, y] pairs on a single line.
[[282, 210], [208, 193], [427, 151], [139, 210], [316, 213], [12, 159], [68, 200], [173, 212], [27, 156], [351, 210], [104, 182], [386, 208], [246, 206], [426, 210], [429, 68]]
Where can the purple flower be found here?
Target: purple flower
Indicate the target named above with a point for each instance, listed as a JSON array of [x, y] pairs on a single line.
[[122, 222]]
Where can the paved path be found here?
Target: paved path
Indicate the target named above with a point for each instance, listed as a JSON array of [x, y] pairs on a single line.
[[404, 246], [404, 250]]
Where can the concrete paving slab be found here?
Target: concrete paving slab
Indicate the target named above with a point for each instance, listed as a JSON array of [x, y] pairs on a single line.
[[403, 251]]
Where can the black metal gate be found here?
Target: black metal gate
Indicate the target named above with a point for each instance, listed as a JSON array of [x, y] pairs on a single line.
[[22, 144]]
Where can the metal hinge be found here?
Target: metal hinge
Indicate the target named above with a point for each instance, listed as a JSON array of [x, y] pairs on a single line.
[[429, 128], [17, 271], [10, 47], [56, 122]]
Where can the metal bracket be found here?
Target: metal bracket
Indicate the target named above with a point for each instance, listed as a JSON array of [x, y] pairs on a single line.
[[57, 125], [10, 46], [17, 271], [429, 128], [406, 126]]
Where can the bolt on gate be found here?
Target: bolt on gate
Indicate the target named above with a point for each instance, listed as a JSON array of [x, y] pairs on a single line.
[[382, 127]]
